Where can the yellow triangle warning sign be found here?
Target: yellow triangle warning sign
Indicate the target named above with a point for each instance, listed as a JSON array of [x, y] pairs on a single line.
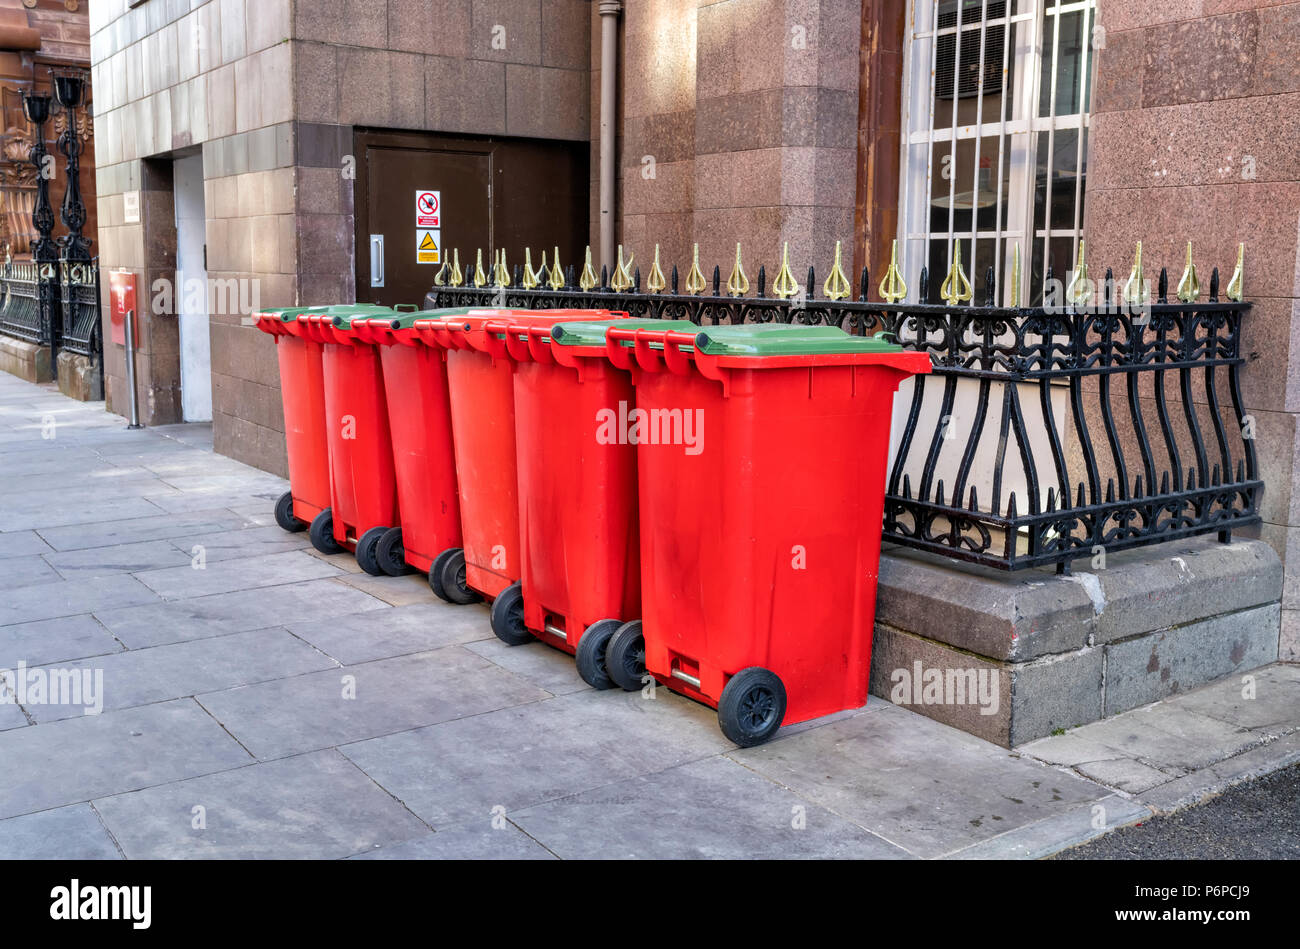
[[427, 243]]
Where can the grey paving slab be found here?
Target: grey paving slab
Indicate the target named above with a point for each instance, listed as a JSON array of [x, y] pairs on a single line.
[[543, 666], [170, 622], [11, 716], [1267, 699], [391, 695], [483, 840], [63, 833], [397, 591], [158, 526], [96, 562], [1047, 836], [76, 510], [246, 481], [70, 597], [20, 544], [396, 631], [518, 757], [314, 806], [1124, 774], [55, 640], [97, 755], [38, 493], [258, 513], [159, 673], [1172, 739], [56, 461], [1251, 763], [27, 572], [195, 434], [924, 786], [1069, 749], [711, 809], [236, 544], [228, 576], [186, 502]]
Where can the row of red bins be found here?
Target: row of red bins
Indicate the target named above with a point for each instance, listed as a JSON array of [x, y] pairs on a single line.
[[693, 507]]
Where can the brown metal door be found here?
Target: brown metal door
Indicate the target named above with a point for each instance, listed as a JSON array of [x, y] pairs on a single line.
[[392, 171], [491, 193]]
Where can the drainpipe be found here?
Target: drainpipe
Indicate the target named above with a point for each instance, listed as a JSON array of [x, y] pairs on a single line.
[[609, 11]]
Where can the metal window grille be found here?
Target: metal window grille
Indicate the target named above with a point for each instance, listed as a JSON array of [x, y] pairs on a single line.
[[996, 98]]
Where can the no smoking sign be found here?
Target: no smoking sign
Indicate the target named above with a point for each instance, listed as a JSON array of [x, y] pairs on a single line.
[[428, 208]]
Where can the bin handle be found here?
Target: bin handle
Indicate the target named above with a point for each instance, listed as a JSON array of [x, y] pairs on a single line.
[[538, 339], [677, 361], [496, 348], [406, 308]]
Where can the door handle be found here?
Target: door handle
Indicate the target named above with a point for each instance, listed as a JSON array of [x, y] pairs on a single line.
[[376, 260]]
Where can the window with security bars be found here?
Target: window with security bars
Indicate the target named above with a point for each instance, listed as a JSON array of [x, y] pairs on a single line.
[[995, 102]]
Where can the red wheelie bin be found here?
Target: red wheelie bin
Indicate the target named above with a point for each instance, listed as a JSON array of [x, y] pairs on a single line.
[[481, 387], [419, 421], [363, 485], [302, 389], [579, 560], [761, 487]]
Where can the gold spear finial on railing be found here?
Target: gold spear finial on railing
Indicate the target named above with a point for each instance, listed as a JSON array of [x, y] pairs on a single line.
[[785, 286], [1079, 292], [1233, 291], [500, 272], [555, 280], [457, 277], [1013, 298], [737, 283], [622, 279], [892, 288], [837, 285], [955, 287], [1189, 288], [440, 278], [529, 280], [655, 282], [588, 278], [1135, 290], [480, 277], [695, 279]]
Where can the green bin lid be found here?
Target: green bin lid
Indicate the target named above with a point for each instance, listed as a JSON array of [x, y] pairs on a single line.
[[592, 332], [779, 339], [345, 313], [406, 320], [288, 314]]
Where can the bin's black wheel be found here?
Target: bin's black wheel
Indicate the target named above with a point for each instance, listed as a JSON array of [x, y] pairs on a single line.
[[367, 550], [752, 706], [284, 514], [435, 573], [591, 653], [390, 553], [449, 566], [625, 656], [508, 616], [322, 533]]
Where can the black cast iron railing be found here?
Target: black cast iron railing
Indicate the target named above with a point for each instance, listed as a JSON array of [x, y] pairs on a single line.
[[21, 315], [1044, 434], [79, 294]]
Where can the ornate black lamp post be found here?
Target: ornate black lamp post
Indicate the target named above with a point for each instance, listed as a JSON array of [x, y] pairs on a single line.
[[69, 87], [44, 250]]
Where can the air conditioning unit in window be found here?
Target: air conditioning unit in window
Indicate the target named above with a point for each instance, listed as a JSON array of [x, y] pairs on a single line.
[[954, 79]]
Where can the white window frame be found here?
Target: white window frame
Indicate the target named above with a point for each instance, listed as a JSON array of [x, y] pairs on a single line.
[[1023, 38]]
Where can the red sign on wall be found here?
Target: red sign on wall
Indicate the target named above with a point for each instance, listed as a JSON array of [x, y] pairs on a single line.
[[121, 298]]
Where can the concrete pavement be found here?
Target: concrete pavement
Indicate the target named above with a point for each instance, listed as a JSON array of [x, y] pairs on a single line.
[[255, 699]]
